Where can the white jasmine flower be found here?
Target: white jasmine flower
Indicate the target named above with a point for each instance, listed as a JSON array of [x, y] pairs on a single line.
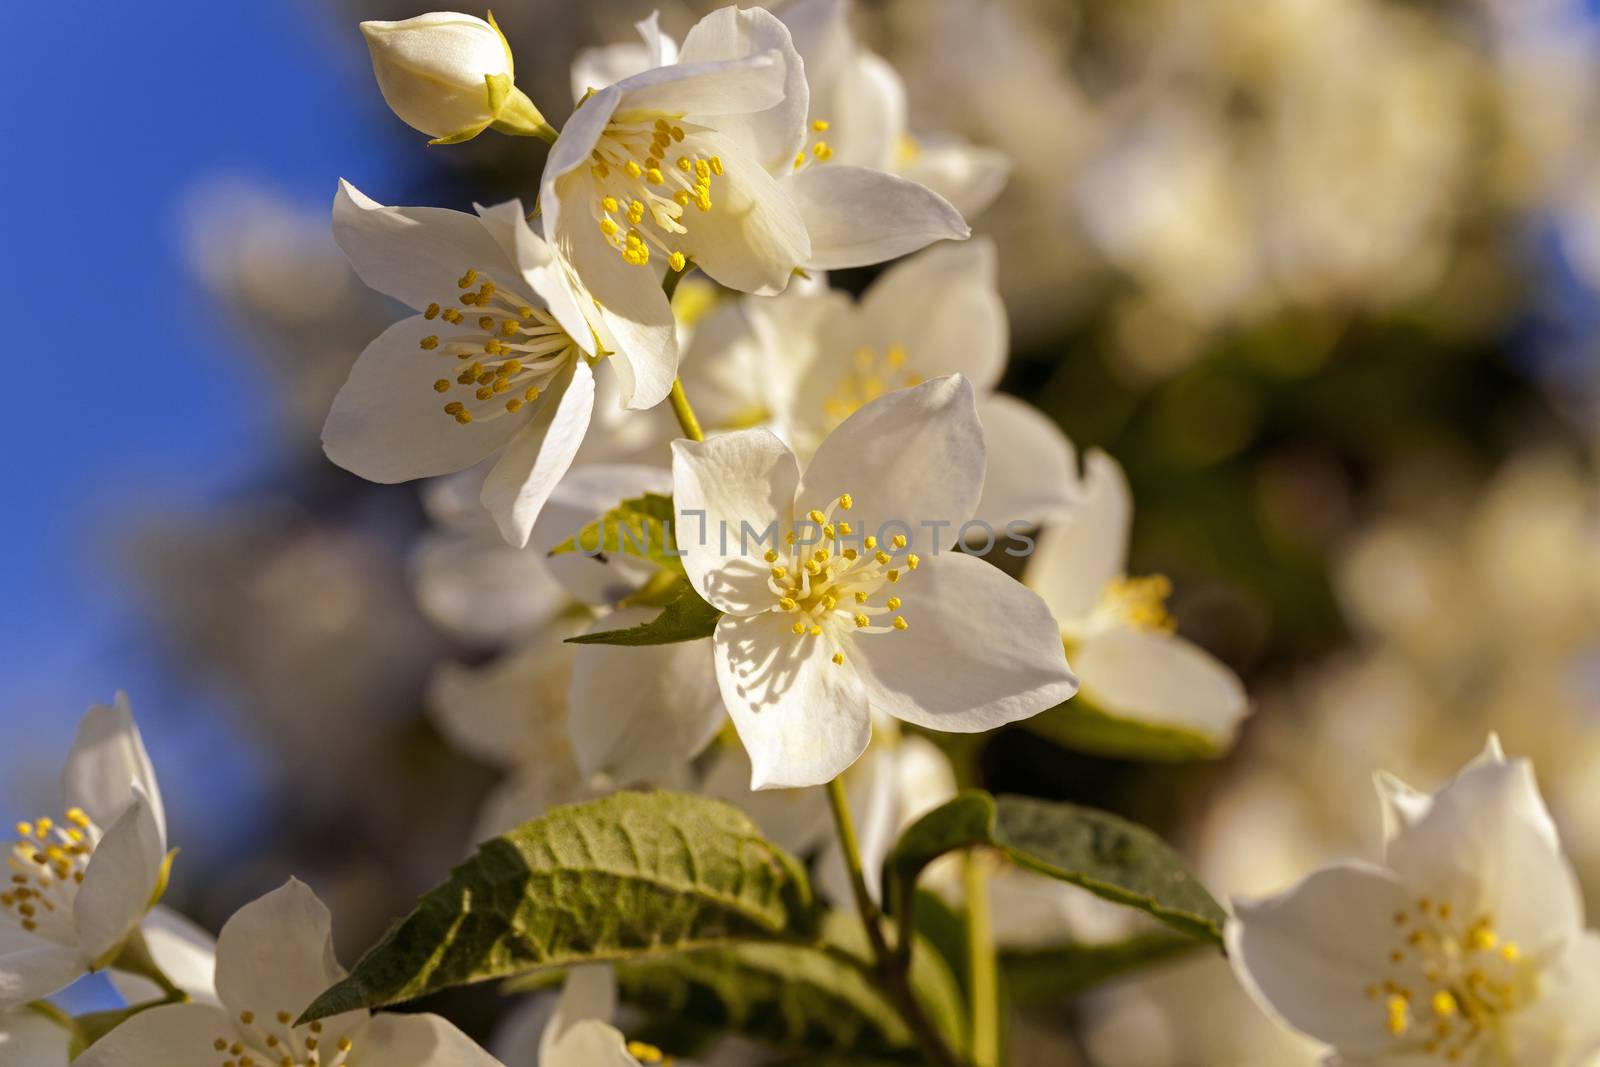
[[1466, 946], [450, 76], [858, 113], [804, 362], [854, 607], [274, 957], [494, 364], [1118, 634], [80, 885], [185, 952], [578, 1030], [693, 158]]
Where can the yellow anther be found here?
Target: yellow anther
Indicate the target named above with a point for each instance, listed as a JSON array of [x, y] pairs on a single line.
[[677, 260], [816, 516], [485, 393], [531, 393], [862, 620], [467, 279], [899, 623], [820, 125], [455, 407], [815, 631], [677, 134], [646, 1054], [822, 555], [799, 160], [1444, 1004], [485, 322], [653, 176], [636, 212], [861, 597], [1510, 952], [881, 556], [429, 343], [780, 572], [432, 312], [823, 151], [514, 405], [684, 165], [788, 603], [893, 576], [771, 555], [798, 628], [899, 540], [893, 603], [913, 561], [442, 385], [24, 829], [838, 659], [608, 227], [633, 169], [452, 315], [609, 203], [716, 165], [871, 542], [1399, 1015]]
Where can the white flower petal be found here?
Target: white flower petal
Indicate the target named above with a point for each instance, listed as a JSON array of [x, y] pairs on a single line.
[[590, 1044], [32, 968], [508, 712], [1403, 806], [537, 458], [388, 424], [632, 306], [912, 460], [276, 955], [184, 951], [797, 819], [866, 113], [171, 1035], [596, 68], [416, 1040], [820, 32], [1032, 474], [1159, 678], [28, 1039], [728, 492], [1561, 1028], [969, 176], [481, 589], [120, 880], [539, 270], [589, 993], [1075, 559], [638, 712], [980, 651], [717, 88], [754, 236], [802, 718], [1308, 955], [770, 136], [943, 304], [414, 254], [1488, 846], [108, 757], [803, 343], [857, 216]]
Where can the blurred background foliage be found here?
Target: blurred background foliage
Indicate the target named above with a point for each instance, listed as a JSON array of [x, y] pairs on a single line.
[[1322, 275]]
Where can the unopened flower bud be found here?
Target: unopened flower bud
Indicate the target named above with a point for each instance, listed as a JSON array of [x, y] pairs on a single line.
[[450, 75]]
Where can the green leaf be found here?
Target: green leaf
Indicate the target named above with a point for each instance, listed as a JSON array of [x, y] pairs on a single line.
[[1110, 857], [685, 618], [641, 526], [1084, 726], [824, 997], [1050, 975], [626, 876]]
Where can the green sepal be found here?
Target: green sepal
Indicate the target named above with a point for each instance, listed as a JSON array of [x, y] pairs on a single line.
[[685, 618]]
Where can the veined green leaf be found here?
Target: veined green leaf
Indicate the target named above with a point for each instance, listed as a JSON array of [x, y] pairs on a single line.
[[1109, 856], [627, 876], [685, 618], [640, 526], [1051, 975], [1083, 726]]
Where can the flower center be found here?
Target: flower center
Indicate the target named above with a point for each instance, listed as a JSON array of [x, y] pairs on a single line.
[[510, 350], [873, 374], [262, 1042], [828, 578], [1451, 984], [820, 151], [1140, 603], [47, 865], [640, 196]]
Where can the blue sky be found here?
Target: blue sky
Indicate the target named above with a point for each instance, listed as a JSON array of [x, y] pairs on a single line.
[[112, 113]]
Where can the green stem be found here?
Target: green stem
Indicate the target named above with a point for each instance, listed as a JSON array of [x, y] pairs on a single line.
[[53, 1013], [983, 973], [135, 958], [889, 965], [685, 413]]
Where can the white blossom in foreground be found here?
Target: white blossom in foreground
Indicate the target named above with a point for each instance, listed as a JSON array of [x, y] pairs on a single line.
[[805, 361], [579, 1032], [1466, 946], [692, 157], [80, 885], [843, 600], [1118, 634], [493, 364], [858, 113], [273, 958], [450, 76], [30, 1039]]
